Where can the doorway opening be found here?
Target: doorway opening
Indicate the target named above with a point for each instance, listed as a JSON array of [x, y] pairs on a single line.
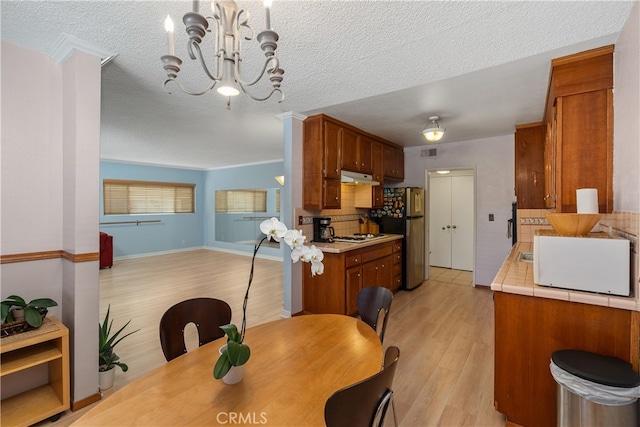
[[451, 218]]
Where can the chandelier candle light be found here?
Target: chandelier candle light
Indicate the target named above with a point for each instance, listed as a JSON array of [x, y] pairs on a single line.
[[231, 26]]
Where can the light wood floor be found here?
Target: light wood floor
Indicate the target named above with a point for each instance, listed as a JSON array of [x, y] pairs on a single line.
[[444, 329]]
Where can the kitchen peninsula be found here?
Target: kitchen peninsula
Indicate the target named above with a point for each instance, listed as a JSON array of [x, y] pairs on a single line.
[[532, 321], [348, 268]]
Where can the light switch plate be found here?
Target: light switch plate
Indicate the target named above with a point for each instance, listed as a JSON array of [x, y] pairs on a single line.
[[490, 217]]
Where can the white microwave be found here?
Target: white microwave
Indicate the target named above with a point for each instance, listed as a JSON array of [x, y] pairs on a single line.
[[594, 263]]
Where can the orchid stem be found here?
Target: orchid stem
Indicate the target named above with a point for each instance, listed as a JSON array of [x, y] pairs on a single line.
[[246, 295]]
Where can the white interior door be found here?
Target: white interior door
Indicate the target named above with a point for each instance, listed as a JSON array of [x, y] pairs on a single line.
[[440, 221], [462, 220], [451, 221]]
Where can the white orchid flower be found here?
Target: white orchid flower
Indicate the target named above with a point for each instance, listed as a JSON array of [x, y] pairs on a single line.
[[294, 238], [316, 268], [273, 228]]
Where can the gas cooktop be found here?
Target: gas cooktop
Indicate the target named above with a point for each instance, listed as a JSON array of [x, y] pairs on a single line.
[[357, 238]]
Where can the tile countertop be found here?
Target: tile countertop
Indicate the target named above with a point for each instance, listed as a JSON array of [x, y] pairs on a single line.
[[516, 277], [341, 247]]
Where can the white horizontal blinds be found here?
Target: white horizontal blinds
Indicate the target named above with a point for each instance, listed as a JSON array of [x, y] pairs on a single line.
[[142, 197], [241, 201], [115, 198]]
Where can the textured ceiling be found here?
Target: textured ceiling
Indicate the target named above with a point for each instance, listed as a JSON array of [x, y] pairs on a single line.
[[383, 66]]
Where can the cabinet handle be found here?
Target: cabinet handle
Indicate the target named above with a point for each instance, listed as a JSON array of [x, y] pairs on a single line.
[[336, 197]]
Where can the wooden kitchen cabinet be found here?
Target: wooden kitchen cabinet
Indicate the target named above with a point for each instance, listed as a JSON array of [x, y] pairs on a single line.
[[579, 129], [337, 292], [321, 159], [356, 152], [529, 166], [393, 163], [329, 146], [529, 329], [396, 283], [47, 345]]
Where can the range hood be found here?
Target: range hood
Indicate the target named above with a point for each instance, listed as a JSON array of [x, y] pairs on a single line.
[[356, 178]]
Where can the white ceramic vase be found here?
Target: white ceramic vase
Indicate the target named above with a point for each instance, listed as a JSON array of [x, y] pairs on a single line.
[[235, 374], [105, 378]]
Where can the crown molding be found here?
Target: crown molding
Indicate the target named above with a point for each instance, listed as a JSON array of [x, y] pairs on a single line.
[[66, 44]]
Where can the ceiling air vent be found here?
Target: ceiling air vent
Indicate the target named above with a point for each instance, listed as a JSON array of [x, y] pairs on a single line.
[[431, 152]]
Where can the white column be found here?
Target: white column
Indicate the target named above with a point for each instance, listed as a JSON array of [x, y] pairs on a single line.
[[290, 200]]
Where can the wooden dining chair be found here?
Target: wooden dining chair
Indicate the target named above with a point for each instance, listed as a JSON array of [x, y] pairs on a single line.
[[374, 303], [208, 314], [365, 403]]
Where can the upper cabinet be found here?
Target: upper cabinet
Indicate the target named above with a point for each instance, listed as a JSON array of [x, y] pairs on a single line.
[[356, 152], [578, 129], [331, 146], [394, 163], [529, 166]]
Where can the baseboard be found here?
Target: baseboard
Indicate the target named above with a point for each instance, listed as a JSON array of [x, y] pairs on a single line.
[[83, 403], [173, 251]]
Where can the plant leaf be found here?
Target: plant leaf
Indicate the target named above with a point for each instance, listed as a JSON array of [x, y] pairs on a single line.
[[238, 354], [222, 366], [32, 316], [43, 302], [16, 300], [231, 331]]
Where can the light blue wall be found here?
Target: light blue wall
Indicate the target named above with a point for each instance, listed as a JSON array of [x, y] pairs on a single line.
[[235, 178], [174, 232]]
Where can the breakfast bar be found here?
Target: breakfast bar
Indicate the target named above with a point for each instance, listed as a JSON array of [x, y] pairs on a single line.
[[533, 321]]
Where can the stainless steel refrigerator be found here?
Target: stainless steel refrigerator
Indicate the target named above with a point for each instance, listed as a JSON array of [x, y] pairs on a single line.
[[403, 213]]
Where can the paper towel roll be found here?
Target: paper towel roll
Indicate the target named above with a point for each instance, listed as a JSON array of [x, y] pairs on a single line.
[[587, 200]]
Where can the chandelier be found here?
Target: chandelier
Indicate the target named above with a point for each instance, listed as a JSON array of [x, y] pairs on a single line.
[[229, 26]]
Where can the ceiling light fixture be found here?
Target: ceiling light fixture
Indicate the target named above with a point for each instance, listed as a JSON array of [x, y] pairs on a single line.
[[231, 26], [433, 132]]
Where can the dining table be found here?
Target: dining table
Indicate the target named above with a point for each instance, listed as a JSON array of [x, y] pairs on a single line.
[[295, 365]]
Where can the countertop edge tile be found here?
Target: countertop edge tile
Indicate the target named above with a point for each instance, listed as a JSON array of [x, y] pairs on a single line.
[[508, 280]]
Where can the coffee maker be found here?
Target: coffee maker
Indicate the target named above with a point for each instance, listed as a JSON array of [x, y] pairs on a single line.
[[322, 230]]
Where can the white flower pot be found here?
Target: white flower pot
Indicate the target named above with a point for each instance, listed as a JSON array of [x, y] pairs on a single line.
[[105, 378], [235, 374]]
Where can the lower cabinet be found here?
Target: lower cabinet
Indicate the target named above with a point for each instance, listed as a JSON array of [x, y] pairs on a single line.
[[529, 329], [349, 272]]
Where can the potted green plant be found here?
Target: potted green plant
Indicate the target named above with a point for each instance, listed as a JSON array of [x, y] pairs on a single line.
[[236, 353], [107, 357], [16, 309]]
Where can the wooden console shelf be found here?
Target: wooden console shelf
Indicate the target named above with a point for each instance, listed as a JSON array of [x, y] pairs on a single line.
[[49, 345]]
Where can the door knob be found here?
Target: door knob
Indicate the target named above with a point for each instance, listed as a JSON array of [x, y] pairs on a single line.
[[454, 226], [448, 226]]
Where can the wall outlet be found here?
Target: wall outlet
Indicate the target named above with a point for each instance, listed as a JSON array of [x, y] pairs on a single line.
[[490, 217]]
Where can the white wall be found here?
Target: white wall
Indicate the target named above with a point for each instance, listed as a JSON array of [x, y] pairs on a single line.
[[493, 160], [49, 174], [626, 126]]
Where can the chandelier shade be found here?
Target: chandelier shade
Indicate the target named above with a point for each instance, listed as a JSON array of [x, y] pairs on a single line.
[[433, 132], [229, 27]]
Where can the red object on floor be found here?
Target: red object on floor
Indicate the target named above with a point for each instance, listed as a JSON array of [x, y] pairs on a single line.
[[106, 250]]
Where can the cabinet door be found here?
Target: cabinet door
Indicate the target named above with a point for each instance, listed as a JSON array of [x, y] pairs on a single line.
[[365, 155], [389, 162], [399, 163], [377, 196], [385, 272], [377, 160], [332, 147], [332, 195], [549, 163], [370, 274], [353, 286], [350, 140], [529, 166], [584, 148]]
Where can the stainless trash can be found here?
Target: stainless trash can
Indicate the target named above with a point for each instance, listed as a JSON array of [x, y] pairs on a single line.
[[595, 390]]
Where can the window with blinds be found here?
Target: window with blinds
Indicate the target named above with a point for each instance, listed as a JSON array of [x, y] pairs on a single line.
[[233, 201], [146, 197]]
